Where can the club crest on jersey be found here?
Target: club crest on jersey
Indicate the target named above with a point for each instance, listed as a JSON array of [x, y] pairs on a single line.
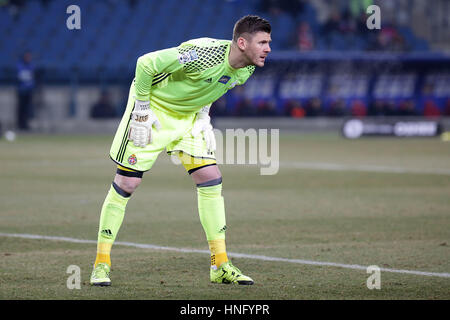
[[224, 79], [132, 159], [188, 57]]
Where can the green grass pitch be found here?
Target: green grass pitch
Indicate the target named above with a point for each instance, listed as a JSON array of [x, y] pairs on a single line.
[[55, 186]]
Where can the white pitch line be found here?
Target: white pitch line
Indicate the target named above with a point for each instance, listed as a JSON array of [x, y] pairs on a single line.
[[236, 255], [362, 168]]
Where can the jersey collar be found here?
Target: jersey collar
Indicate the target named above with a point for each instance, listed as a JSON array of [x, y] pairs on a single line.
[[227, 62]]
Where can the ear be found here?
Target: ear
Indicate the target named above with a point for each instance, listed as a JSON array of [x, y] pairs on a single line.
[[242, 43]]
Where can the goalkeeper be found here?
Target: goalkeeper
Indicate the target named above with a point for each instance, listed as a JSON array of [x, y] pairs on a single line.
[[168, 108]]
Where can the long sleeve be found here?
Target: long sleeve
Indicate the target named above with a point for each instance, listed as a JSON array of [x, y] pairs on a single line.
[[155, 66]]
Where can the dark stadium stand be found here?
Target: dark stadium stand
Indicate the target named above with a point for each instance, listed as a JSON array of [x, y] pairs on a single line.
[[115, 33]]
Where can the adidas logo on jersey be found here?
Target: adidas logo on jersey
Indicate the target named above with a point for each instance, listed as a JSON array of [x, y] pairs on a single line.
[[209, 80]]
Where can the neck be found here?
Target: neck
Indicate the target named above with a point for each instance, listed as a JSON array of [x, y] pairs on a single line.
[[236, 59]]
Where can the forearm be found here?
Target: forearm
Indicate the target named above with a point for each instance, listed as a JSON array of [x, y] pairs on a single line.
[[143, 81]]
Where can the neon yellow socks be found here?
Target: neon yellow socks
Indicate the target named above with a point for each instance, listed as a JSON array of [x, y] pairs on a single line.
[[211, 209], [111, 218], [218, 252]]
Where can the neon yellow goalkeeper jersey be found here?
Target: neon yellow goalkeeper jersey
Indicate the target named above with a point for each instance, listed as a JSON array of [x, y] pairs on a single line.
[[186, 78]]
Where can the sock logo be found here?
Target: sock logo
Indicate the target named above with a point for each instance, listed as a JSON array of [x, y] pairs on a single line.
[[107, 233], [223, 229]]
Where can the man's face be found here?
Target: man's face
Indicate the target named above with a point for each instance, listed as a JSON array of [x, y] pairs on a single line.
[[257, 47]]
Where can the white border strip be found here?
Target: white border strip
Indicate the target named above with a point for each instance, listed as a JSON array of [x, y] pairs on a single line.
[[236, 255]]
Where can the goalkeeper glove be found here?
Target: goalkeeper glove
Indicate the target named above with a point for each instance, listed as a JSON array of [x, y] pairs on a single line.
[[203, 125], [142, 120]]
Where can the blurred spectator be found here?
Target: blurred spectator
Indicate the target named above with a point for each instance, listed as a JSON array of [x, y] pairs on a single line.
[[359, 6], [293, 7], [266, 108], [430, 109], [376, 108], [345, 28], [239, 104], [361, 25], [334, 30], [388, 39], [337, 109], [14, 8], [447, 108], [332, 24], [428, 89], [347, 23], [293, 108], [283, 28], [390, 109], [219, 108], [314, 108], [358, 109], [244, 107], [25, 87], [407, 108], [305, 37], [103, 109]]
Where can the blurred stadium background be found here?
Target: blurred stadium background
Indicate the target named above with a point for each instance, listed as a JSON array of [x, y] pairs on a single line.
[[325, 63]]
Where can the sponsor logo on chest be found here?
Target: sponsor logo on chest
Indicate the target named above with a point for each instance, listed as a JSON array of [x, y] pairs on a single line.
[[225, 79]]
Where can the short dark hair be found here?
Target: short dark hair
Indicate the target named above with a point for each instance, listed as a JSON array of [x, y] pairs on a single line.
[[250, 24]]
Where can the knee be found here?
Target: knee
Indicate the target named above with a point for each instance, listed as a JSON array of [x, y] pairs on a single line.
[[127, 184], [207, 176]]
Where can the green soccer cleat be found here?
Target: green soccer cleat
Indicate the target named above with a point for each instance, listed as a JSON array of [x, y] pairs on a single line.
[[227, 273], [100, 275]]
